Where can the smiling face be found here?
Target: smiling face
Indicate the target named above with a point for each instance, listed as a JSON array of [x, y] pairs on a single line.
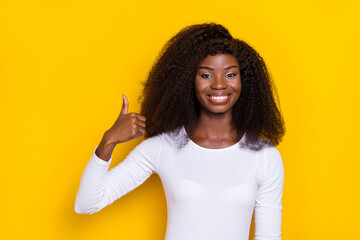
[[218, 83]]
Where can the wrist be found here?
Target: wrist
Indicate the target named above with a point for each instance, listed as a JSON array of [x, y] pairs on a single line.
[[105, 149], [106, 141]]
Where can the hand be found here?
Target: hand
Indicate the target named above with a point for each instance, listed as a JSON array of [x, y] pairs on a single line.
[[127, 126]]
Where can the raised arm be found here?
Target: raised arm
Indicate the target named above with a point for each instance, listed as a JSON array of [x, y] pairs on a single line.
[[268, 205], [100, 187]]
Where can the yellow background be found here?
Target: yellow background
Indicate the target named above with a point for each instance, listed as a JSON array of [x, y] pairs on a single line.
[[64, 65]]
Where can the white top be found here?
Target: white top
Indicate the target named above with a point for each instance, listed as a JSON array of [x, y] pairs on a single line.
[[210, 193]]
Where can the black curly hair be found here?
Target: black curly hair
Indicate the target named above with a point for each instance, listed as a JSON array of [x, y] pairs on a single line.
[[168, 99]]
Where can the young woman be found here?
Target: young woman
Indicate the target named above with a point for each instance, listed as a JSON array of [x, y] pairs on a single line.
[[212, 125]]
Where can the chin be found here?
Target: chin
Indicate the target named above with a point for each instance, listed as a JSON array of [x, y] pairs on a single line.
[[218, 110]]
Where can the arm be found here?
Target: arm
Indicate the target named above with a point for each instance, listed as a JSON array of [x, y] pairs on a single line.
[[100, 187], [268, 205]]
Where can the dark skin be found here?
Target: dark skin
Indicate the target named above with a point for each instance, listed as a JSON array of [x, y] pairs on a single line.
[[218, 87]]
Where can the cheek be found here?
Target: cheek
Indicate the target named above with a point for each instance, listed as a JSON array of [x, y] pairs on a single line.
[[199, 96], [199, 92], [199, 87], [237, 86]]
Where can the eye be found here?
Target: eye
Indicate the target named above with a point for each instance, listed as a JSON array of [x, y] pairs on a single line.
[[231, 74], [205, 75]]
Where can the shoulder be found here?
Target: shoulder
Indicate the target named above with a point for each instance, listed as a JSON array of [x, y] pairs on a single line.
[[269, 163], [272, 159], [152, 144], [162, 141], [272, 154], [269, 155], [147, 152], [174, 139]]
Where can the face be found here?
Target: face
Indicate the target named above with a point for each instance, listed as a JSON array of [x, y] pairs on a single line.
[[217, 83]]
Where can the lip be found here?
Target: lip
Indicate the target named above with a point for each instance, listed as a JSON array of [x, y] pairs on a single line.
[[219, 100]]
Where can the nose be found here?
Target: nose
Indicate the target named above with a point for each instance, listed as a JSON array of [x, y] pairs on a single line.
[[219, 83]]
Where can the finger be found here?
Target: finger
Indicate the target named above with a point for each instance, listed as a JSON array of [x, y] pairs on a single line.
[[125, 106], [139, 134], [141, 117], [141, 129], [138, 116], [140, 123]]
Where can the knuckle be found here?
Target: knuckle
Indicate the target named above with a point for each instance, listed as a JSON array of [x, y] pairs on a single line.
[[134, 132]]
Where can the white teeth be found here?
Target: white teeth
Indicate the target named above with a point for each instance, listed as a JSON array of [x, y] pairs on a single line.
[[219, 97]]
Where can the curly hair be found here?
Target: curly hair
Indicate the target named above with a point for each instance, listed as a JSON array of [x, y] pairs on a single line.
[[168, 99]]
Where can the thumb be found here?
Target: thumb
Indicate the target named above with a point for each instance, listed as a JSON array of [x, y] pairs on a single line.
[[125, 106]]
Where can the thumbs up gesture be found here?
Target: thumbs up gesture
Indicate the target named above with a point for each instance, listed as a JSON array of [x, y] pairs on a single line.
[[127, 126]]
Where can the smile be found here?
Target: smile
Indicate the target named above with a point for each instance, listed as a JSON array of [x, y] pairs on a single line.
[[218, 98]]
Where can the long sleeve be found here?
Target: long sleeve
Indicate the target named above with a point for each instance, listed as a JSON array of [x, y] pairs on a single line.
[[100, 187], [268, 205]]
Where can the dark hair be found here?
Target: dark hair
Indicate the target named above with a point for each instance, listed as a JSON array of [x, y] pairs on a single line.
[[168, 98]]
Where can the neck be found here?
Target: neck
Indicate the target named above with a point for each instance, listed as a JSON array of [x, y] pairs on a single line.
[[215, 126]]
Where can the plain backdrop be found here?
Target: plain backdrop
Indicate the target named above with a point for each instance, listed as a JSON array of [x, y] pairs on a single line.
[[65, 64]]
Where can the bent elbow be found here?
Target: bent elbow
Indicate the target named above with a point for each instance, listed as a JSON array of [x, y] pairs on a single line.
[[83, 208], [80, 210]]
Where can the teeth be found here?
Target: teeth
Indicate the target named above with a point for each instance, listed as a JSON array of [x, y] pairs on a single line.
[[219, 97]]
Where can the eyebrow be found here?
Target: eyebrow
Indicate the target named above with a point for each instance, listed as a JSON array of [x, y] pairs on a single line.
[[226, 68]]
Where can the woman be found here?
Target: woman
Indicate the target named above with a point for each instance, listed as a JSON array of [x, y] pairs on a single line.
[[211, 126]]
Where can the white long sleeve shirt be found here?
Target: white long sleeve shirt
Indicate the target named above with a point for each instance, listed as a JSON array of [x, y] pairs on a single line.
[[210, 193]]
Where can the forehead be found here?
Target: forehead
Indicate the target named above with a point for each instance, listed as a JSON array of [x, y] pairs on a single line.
[[219, 59]]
